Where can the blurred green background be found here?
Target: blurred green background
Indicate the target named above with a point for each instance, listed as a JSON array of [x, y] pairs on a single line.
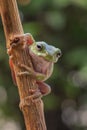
[[62, 23]]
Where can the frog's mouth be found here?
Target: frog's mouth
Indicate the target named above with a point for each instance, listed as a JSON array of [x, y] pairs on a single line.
[[50, 58]]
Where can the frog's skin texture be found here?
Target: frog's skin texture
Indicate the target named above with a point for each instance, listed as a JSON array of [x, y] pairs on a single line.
[[43, 57]]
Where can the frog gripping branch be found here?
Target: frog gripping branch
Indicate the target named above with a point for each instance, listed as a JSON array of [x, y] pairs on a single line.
[[28, 40], [43, 57]]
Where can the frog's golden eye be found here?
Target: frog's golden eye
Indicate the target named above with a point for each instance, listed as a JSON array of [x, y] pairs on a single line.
[[39, 47]]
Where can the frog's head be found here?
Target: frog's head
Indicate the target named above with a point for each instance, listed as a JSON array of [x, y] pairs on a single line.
[[48, 52]]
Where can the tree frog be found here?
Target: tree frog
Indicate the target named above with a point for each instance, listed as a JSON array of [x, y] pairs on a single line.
[[43, 56]]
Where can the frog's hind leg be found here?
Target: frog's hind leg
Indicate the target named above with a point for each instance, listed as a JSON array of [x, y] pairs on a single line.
[[34, 97], [44, 88]]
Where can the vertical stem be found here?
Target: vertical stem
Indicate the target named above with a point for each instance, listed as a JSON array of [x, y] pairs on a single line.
[[33, 114], [10, 18]]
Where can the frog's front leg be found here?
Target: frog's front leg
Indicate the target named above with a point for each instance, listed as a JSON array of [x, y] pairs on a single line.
[[31, 72]]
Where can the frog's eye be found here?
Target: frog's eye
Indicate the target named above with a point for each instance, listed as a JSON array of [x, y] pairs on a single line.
[[39, 47]]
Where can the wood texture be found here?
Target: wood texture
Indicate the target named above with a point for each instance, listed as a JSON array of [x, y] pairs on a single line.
[[33, 114]]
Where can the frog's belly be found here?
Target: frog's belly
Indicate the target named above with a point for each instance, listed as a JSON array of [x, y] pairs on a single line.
[[45, 68], [42, 66]]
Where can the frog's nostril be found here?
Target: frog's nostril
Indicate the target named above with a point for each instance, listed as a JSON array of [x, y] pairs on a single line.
[[58, 54]]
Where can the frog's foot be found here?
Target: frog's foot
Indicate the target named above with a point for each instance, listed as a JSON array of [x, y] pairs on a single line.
[[14, 42], [34, 98], [31, 72]]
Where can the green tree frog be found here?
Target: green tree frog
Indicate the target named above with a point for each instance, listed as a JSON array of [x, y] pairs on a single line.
[[43, 56]]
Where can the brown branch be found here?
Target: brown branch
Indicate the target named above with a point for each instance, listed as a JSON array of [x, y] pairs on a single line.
[[33, 112]]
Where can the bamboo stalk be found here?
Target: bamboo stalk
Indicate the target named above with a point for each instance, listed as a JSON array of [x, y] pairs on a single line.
[[33, 114]]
